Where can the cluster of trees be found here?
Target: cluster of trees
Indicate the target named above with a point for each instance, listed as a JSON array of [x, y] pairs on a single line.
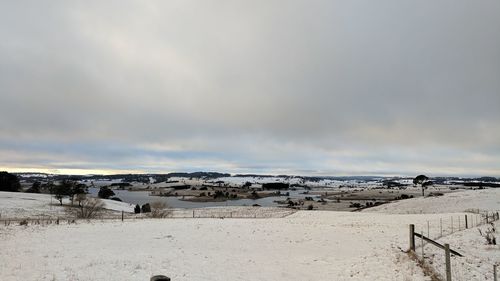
[[156, 209], [275, 185], [221, 194], [9, 182], [105, 192], [71, 189]]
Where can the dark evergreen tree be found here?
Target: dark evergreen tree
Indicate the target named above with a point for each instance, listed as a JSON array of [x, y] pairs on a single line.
[[60, 191], [35, 188], [422, 180], [9, 182], [146, 208], [105, 192]]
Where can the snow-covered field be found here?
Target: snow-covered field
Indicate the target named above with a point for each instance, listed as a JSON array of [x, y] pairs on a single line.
[[460, 201], [478, 257], [307, 245], [304, 246], [33, 205]]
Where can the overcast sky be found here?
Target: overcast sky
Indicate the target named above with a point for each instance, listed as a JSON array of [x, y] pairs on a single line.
[[276, 87]]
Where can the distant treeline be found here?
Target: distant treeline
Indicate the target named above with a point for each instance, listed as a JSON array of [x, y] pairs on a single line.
[[479, 184], [145, 178]]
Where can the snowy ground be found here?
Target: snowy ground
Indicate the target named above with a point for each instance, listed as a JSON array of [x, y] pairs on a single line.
[[32, 205], [307, 245], [460, 201], [304, 246], [478, 257]]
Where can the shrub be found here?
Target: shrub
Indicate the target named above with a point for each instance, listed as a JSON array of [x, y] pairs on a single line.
[[137, 209], [355, 205], [310, 207], [159, 210], [146, 208], [489, 235], [89, 208]]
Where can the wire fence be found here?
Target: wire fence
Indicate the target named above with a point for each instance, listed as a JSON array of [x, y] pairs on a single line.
[[201, 213], [465, 268]]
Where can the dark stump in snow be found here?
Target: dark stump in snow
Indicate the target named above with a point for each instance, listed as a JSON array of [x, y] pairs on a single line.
[[160, 278]]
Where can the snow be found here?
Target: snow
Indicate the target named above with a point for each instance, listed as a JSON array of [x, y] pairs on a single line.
[[303, 246], [478, 257], [21, 205], [460, 201], [307, 245]]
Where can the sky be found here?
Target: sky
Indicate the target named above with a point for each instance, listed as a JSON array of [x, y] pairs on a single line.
[[353, 87]]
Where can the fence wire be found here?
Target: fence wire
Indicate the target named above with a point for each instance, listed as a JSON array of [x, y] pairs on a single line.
[[462, 268]]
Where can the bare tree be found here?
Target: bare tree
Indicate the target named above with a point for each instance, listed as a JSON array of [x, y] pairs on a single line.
[[489, 235], [80, 198], [159, 210], [88, 208]]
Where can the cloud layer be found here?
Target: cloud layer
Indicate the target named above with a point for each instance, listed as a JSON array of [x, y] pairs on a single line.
[[306, 87]]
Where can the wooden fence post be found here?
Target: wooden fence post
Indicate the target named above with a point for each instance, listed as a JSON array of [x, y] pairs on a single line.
[[441, 226], [422, 242], [466, 222], [448, 261], [122, 215], [495, 272], [412, 237]]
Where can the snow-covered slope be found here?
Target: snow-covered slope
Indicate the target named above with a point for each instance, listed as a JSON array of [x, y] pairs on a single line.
[[308, 245], [305, 246], [484, 199], [19, 205]]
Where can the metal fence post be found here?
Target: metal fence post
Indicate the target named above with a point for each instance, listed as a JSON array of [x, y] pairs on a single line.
[[448, 261], [412, 237]]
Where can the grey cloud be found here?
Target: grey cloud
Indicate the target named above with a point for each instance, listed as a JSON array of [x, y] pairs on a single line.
[[254, 84]]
